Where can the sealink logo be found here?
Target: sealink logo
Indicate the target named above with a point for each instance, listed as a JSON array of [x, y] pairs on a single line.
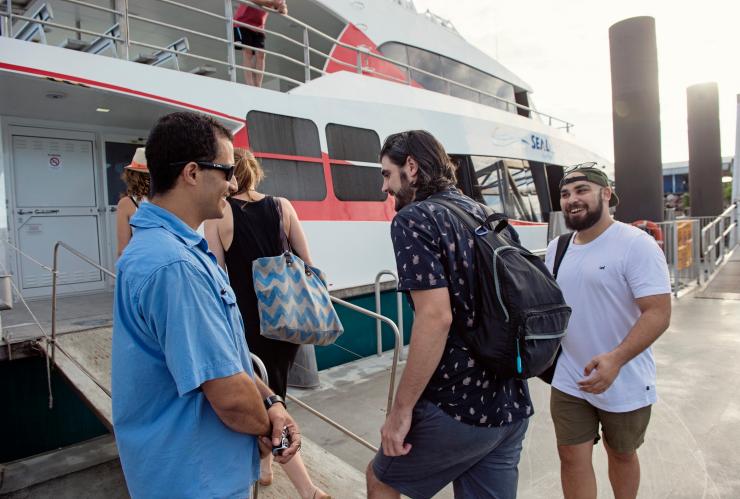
[[539, 143]]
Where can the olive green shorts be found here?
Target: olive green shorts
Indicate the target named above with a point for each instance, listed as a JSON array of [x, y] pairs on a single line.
[[577, 421]]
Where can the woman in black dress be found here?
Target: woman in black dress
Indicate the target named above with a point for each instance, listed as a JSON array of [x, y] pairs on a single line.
[[250, 229]]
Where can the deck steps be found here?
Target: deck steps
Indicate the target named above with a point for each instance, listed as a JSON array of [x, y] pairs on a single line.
[[84, 358]]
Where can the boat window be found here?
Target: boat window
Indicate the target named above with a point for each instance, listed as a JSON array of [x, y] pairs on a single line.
[[456, 72], [352, 144], [295, 180], [507, 186], [488, 175], [117, 155], [357, 182], [524, 192], [274, 133], [430, 62]]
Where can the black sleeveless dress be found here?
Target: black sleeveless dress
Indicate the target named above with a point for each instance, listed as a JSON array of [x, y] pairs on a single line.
[[257, 234]]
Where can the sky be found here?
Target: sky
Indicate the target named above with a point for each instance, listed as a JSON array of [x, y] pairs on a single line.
[[561, 49]]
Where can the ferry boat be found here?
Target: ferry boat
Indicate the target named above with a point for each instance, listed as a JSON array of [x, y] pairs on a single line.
[[81, 83]]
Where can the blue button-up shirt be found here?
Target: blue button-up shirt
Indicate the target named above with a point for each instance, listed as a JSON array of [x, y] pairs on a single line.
[[176, 326]]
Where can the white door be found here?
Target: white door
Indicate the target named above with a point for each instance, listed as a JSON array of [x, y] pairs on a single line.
[[55, 200]]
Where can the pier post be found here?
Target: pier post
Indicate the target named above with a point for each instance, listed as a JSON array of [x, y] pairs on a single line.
[[636, 117], [705, 154]]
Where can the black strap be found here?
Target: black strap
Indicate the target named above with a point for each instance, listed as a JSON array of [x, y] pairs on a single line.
[[133, 200], [563, 242], [469, 219], [283, 237]]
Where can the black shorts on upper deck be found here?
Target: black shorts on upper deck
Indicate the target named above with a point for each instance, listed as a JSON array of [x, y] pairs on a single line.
[[246, 36]]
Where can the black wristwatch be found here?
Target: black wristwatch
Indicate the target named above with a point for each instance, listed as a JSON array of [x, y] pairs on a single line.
[[272, 400]]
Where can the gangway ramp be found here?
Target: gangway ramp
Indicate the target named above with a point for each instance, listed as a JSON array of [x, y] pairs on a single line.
[[725, 285], [84, 358]]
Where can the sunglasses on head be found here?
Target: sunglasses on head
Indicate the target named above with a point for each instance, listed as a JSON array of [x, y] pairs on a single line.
[[227, 169], [580, 166]]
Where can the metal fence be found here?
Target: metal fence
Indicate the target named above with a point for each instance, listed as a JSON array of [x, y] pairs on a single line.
[[696, 246], [37, 19]]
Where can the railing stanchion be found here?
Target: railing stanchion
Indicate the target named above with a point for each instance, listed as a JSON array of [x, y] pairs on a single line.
[[126, 32], [7, 23], [306, 55], [230, 49]]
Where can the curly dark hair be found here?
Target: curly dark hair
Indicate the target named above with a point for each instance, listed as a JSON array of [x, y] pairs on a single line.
[[436, 170], [182, 136], [137, 183]]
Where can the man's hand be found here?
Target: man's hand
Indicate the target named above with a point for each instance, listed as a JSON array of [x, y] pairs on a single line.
[[279, 419], [394, 431], [600, 373]]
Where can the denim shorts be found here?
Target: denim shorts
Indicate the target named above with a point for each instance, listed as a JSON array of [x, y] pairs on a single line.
[[481, 462]]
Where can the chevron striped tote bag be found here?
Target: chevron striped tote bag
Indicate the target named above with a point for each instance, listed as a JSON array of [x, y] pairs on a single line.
[[292, 298]]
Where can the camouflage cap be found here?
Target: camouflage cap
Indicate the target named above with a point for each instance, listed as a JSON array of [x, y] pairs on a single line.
[[590, 173]]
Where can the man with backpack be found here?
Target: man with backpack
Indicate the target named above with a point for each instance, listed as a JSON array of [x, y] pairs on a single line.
[[453, 419], [616, 279]]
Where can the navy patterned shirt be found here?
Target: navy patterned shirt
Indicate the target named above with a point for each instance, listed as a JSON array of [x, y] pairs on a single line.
[[434, 249]]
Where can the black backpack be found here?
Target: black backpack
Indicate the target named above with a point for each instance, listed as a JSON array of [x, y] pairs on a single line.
[[521, 316]]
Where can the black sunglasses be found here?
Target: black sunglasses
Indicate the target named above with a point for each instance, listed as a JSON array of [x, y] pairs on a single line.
[[227, 169]]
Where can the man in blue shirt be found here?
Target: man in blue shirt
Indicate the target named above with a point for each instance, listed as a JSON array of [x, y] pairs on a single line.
[[187, 409]]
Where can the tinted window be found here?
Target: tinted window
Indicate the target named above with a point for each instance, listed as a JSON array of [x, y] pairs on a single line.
[[295, 180], [283, 135], [117, 155], [352, 144], [357, 183], [488, 173], [431, 63], [397, 52]]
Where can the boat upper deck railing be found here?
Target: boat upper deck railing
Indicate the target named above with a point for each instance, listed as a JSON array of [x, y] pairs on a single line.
[[304, 60]]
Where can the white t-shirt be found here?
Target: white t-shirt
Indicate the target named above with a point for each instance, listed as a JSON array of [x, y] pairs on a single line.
[[600, 281]]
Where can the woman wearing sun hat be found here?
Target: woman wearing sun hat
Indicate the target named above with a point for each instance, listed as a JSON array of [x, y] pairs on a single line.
[[136, 177]]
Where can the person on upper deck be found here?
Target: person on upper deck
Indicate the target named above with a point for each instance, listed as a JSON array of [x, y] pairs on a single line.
[[452, 420], [615, 278], [250, 229], [254, 59], [136, 177], [187, 408]]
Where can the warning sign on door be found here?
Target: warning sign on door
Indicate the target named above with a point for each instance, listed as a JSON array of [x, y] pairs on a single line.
[[55, 161]]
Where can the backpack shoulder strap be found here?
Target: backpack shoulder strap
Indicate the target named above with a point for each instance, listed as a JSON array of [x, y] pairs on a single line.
[[563, 242], [469, 219]]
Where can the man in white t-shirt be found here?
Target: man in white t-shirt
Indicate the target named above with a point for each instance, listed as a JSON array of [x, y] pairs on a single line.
[[615, 278]]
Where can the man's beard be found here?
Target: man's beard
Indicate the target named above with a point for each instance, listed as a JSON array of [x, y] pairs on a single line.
[[589, 220], [405, 194]]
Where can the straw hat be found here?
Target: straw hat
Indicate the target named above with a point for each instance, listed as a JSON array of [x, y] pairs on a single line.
[[138, 164]]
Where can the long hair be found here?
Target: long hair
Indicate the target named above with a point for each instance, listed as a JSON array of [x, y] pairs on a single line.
[[436, 170], [137, 183], [247, 170]]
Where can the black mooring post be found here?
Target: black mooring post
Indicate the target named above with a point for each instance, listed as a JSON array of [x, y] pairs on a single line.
[[636, 117], [705, 150]]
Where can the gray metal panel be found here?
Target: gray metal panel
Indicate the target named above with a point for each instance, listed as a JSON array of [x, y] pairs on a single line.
[[705, 156], [636, 117]]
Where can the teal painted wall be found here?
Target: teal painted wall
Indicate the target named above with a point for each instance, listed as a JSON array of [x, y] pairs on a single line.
[[27, 425], [359, 330]]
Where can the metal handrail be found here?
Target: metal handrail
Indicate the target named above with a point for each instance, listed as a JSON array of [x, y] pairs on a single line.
[[359, 51], [713, 240], [396, 347], [54, 280], [399, 309]]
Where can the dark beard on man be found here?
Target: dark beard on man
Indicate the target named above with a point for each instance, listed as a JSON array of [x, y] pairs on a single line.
[[591, 218], [405, 194]]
